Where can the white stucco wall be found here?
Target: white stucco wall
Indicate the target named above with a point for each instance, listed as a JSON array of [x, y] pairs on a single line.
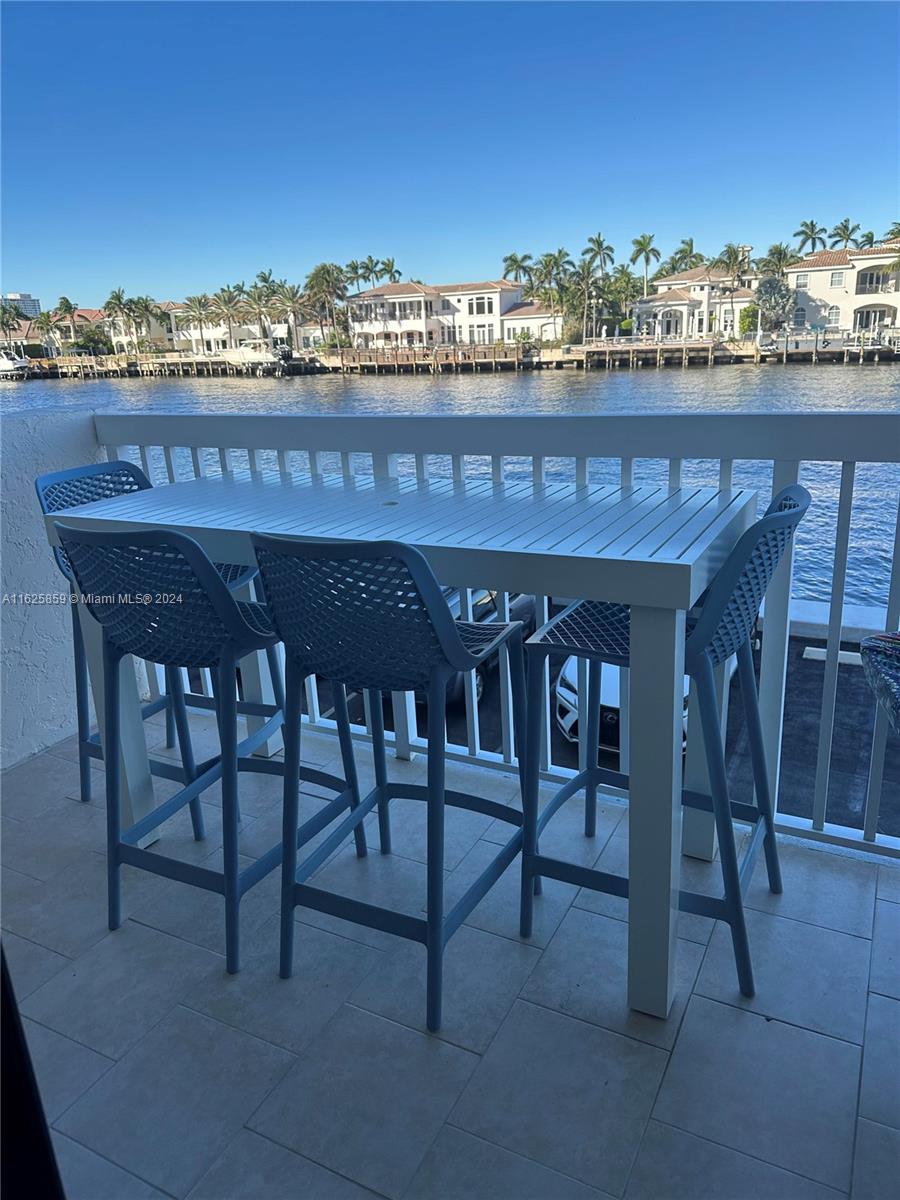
[[37, 697]]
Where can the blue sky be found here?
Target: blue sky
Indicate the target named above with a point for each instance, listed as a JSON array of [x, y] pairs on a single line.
[[173, 147]]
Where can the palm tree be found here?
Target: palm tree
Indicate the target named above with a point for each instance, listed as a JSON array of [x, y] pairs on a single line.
[[117, 308], [685, 257], [584, 279], [600, 252], [145, 312], [811, 234], [67, 311], [226, 306], [866, 240], [389, 271], [371, 269], [844, 235], [292, 303], [517, 266], [732, 259], [196, 310], [623, 287], [266, 280], [780, 256], [10, 317], [45, 324], [256, 306], [893, 233], [646, 251], [353, 273], [325, 286]]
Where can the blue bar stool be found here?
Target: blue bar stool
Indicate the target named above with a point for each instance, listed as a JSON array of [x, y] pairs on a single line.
[[600, 632], [881, 662], [85, 485], [371, 616], [207, 627]]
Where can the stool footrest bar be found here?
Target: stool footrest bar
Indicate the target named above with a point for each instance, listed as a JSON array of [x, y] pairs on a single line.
[[370, 915]]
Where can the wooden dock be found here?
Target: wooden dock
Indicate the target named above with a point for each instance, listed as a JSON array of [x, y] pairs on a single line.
[[621, 354]]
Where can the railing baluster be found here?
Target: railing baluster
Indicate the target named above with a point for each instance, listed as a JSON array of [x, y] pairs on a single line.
[[196, 462], [726, 466], [347, 464], [283, 464], [473, 730], [879, 737], [459, 468], [145, 462], [626, 479], [833, 645], [674, 473], [497, 475], [223, 460], [776, 632], [422, 468]]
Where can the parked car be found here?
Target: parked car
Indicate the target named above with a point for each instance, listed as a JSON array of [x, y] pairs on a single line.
[[566, 703], [484, 608]]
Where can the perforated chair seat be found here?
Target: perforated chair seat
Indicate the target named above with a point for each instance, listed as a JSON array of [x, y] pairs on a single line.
[[482, 639], [881, 663], [257, 617], [234, 575], [593, 628]]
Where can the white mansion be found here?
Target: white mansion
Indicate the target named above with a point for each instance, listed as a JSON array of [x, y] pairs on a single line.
[[848, 290], [419, 314], [695, 303]]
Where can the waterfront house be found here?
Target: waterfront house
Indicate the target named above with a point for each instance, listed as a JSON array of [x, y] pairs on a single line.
[[420, 314], [695, 303], [27, 334], [847, 291]]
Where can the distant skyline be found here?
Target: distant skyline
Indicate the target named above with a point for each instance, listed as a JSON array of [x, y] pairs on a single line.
[[170, 148]]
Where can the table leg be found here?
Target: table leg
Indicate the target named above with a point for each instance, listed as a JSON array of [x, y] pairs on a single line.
[[698, 835], [654, 858], [137, 782]]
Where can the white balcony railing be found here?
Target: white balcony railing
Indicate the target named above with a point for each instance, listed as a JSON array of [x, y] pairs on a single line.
[[771, 448]]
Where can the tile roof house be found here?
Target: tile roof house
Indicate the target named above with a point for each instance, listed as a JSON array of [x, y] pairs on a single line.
[[694, 303], [849, 291], [419, 314]]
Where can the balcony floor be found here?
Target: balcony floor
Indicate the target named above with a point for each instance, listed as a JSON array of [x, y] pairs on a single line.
[[162, 1076]]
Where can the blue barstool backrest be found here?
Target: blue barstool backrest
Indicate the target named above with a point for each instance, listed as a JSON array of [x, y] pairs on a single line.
[[735, 595], [190, 615], [366, 614], [84, 485]]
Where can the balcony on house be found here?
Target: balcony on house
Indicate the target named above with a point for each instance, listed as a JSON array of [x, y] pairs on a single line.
[[160, 1075]]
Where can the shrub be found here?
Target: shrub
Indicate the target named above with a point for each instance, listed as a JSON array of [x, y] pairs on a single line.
[[747, 321]]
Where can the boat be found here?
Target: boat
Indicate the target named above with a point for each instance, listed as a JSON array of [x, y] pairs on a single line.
[[255, 356], [13, 367]]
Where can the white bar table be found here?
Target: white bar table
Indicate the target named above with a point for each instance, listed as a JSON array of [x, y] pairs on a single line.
[[652, 548]]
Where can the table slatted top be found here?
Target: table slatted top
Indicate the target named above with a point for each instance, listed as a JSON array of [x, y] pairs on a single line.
[[640, 545]]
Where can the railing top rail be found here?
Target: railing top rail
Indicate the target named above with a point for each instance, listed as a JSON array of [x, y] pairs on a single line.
[[811, 437]]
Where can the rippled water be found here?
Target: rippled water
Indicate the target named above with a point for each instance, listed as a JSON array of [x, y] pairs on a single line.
[[723, 389]]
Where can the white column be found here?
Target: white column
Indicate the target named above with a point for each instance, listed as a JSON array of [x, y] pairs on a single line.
[[654, 860], [137, 782]]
